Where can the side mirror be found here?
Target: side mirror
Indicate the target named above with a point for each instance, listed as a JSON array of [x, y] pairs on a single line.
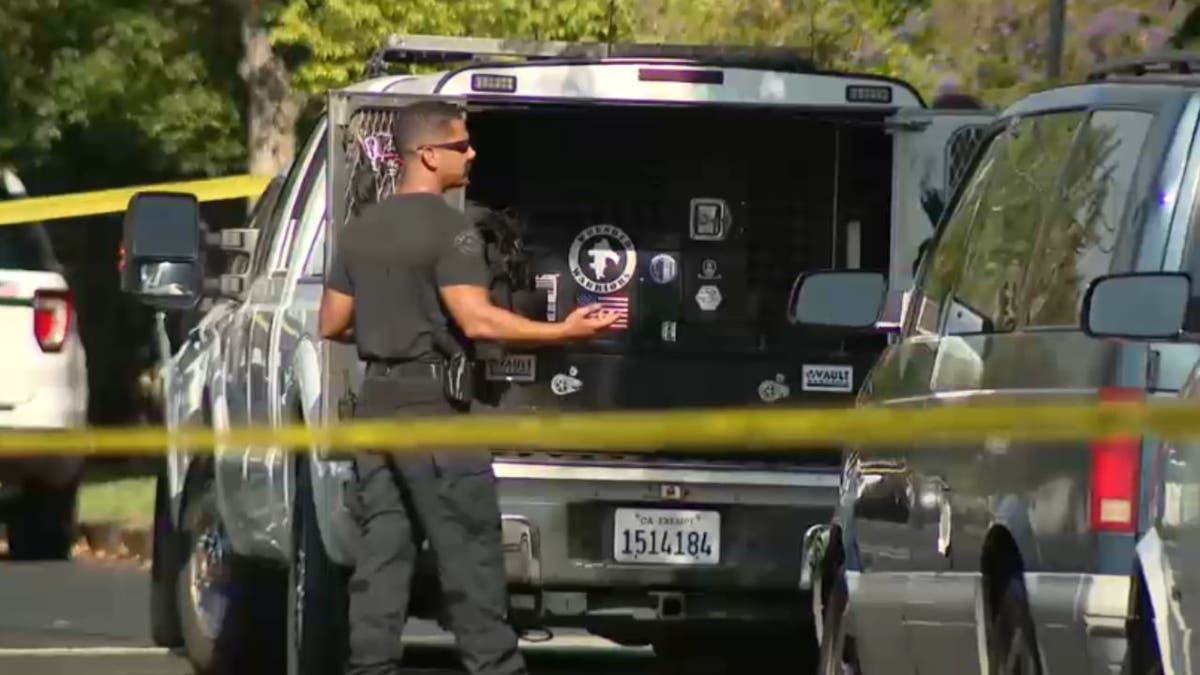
[[849, 299], [164, 255], [1139, 306]]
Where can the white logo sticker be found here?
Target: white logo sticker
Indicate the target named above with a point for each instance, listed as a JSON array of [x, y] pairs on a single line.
[[549, 283], [710, 219], [512, 368], [774, 390], [668, 331], [828, 378], [708, 297], [663, 268], [602, 259], [566, 384], [708, 270]]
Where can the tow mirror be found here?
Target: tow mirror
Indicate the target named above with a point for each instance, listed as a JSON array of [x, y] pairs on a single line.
[[163, 250], [847, 299], [1139, 306]]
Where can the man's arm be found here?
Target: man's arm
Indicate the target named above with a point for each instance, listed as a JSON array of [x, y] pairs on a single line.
[[462, 278], [336, 320], [473, 311], [336, 317]]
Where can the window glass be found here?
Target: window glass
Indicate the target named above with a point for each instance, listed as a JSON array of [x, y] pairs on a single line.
[[310, 222], [278, 223], [258, 221], [946, 259], [26, 247], [1076, 243], [1019, 195], [315, 265]]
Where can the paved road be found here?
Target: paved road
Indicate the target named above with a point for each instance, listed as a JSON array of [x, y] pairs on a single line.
[[76, 619]]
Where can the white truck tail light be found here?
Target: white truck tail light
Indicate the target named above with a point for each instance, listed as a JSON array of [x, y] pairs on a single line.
[[52, 314], [1116, 464]]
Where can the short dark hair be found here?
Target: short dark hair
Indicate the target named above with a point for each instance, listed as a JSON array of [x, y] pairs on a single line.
[[416, 122]]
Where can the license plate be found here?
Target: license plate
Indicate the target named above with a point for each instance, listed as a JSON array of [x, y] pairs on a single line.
[[512, 368], [667, 536]]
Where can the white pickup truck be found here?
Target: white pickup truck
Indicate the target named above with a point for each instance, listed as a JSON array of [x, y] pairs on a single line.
[[711, 178]]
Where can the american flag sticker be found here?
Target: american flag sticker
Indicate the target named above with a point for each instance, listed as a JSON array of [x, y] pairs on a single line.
[[615, 302]]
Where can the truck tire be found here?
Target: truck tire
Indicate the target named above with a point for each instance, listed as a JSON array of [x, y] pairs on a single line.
[[1012, 641], [318, 629], [201, 587], [1143, 656], [42, 526], [164, 572], [834, 656], [230, 606]]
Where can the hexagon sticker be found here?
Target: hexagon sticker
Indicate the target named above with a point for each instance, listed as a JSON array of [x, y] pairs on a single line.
[[708, 297]]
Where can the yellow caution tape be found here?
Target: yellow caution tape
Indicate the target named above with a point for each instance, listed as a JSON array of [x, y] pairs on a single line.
[[653, 430], [39, 209]]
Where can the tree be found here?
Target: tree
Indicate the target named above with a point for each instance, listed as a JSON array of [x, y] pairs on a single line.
[[337, 37], [1004, 55], [273, 106], [104, 65]]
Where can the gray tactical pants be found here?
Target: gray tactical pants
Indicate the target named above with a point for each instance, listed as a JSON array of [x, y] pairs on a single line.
[[448, 498]]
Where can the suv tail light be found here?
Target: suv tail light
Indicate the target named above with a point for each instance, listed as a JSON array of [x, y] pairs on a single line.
[[1116, 462], [52, 313]]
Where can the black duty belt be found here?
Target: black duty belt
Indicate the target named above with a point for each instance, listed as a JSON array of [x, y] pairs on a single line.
[[422, 369]]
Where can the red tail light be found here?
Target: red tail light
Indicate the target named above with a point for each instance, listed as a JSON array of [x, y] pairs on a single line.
[[52, 313], [1116, 464]]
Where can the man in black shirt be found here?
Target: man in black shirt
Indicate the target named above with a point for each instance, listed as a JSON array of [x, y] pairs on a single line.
[[407, 275]]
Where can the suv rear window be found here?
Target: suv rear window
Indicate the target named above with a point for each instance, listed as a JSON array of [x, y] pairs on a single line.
[[25, 247], [1037, 221]]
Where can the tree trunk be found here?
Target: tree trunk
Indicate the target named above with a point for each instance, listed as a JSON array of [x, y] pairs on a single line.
[[273, 107]]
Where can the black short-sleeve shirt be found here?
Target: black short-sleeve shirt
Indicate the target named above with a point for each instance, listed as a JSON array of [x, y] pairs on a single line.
[[392, 258]]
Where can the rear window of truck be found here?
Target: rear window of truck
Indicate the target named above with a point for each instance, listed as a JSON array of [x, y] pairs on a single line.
[[25, 247]]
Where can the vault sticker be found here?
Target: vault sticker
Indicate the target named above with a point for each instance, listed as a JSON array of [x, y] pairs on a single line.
[[828, 378]]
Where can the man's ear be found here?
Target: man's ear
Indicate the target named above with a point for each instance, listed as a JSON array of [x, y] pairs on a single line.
[[429, 158]]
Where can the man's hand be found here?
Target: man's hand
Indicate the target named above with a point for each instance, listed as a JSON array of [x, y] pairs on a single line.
[[585, 322], [479, 319]]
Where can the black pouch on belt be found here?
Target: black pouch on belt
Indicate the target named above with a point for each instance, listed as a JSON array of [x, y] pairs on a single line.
[[458, 368], [458, 378]]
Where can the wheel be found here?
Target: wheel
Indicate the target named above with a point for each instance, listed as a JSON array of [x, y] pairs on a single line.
[[1142, 653], [164, 571], [1012, 641], [230, 607], [836, 655], [318, 602], [202, 582], [43, 524]]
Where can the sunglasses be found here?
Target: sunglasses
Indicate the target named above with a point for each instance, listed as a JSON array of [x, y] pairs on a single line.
[[457, 146]]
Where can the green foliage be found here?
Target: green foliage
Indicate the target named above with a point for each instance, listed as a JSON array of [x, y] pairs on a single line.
[[107, 64], [339, 36], [997, 50]]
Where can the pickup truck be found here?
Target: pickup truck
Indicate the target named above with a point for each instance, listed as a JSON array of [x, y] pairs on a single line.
[[705, 179]]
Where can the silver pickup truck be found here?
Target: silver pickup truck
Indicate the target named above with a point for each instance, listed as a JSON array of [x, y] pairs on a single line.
[[704, 180]]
